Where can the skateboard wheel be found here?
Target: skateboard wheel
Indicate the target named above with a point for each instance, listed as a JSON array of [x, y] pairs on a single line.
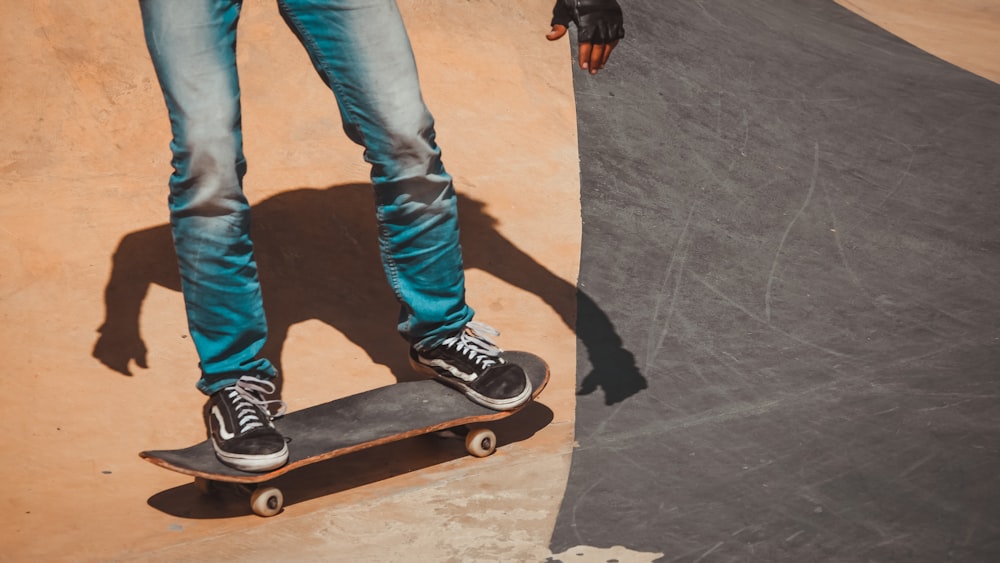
[[481, 442], [266, 501]]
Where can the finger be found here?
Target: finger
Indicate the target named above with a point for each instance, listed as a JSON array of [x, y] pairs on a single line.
[[607, 52], [596, 58], [557, 32], [585, 51]]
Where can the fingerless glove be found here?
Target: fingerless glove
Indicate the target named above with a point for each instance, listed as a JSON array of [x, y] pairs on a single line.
[[597, 21]]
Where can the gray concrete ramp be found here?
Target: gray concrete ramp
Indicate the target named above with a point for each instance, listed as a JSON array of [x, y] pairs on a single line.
[[790, 217]]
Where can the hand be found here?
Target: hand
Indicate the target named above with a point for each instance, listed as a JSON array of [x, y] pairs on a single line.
[[118, 347], [599, 25]]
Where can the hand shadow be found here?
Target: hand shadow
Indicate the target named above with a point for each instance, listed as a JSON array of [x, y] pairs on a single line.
[[317, 257]]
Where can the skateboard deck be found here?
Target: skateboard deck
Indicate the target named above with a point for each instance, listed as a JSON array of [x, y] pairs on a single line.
[[350, 424]]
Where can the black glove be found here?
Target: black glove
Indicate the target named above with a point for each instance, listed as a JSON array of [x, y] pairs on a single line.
[[597, 21]]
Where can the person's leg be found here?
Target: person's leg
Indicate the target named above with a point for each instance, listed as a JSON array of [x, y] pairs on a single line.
[[193, 47], [361, 50]]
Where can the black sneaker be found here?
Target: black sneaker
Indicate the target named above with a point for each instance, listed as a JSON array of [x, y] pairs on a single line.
[[471, 362], [239, 424]]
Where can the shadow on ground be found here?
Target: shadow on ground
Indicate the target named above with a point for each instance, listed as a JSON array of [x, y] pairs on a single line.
[[318, 259]]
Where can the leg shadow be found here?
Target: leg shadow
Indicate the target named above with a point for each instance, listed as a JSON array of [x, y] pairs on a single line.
[[317, 256]]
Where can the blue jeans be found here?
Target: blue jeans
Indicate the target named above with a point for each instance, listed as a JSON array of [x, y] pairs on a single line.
[[361, 51]]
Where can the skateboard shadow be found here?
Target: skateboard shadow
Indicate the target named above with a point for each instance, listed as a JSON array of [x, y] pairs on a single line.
[[317, 255], [349, 471]]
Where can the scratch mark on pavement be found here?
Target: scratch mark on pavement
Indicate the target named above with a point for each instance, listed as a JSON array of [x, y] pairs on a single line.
[[788, 229]]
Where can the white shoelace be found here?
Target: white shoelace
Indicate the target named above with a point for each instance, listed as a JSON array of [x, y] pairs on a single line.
[[247, 394], [475, 344]]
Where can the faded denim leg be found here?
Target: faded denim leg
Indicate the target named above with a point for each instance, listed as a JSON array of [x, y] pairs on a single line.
[[192, 44], [361, 50]]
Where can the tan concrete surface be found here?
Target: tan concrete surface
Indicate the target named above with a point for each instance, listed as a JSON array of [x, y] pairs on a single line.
[[965, 33], [83, 165]]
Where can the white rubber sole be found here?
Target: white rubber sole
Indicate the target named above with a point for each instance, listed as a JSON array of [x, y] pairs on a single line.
[[253, 463], [478, 398]]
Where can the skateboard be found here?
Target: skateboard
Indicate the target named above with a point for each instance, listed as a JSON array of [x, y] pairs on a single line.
[[350, 424]]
